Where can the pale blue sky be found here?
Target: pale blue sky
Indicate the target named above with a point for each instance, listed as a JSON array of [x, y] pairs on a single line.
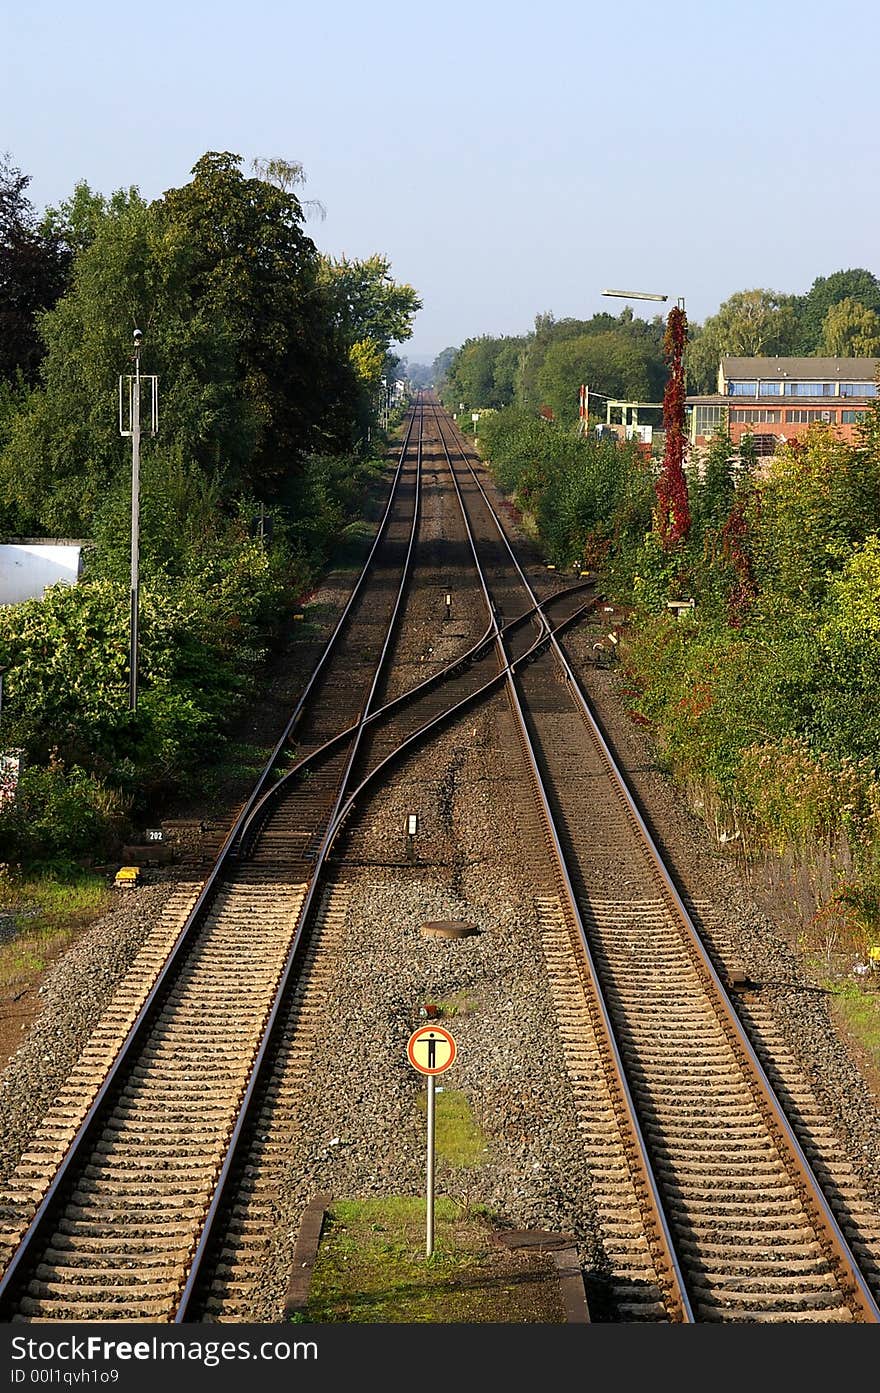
[[509, 158]]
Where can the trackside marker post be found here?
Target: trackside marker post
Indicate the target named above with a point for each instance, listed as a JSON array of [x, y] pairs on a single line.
[[431, 1050]]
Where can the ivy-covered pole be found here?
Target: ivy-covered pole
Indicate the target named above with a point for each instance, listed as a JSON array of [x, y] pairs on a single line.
[[673, 516]]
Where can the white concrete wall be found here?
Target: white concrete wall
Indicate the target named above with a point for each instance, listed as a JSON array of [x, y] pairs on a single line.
[[26, 568]]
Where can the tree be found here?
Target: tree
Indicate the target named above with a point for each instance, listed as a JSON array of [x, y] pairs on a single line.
[[630, 350], [238, 251], [506, 369], [366, 306], [711, 491], [224, 283], [611, 363], [859, 284], [418, 374], [76, 220], [849, 330], [34, 267], [819, 499], [287, 175], [750, 324], [441, 368], [474, 375]]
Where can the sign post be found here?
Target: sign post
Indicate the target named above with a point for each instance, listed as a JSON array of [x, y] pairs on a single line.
[[130, 424], [431, 1050]]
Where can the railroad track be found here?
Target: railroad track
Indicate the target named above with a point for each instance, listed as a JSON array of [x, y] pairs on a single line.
[[677, 1117], [113, 1209], [738, 1226], [114, 1227]]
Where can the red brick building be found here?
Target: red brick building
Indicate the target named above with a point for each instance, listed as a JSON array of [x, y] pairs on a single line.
[[778, 399]]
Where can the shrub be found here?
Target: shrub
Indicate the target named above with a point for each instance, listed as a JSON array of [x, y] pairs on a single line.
[[60, 814]]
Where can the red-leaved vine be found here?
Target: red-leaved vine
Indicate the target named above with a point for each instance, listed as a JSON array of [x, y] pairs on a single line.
[[673, 517]]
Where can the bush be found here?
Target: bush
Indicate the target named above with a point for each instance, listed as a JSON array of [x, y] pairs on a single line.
[[60, 814]]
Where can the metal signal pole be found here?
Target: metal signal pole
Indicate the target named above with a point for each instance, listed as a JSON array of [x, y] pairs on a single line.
[[134, 430], [135, 524]]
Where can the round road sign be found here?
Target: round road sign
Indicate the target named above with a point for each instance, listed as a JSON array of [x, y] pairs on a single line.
[[430, 1049]]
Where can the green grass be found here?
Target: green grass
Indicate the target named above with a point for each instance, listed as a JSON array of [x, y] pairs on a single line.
[[458, 1140], [859, 1011], [238, 761], [354, 542], [372, 1268], [44, 912], [462, 1003]]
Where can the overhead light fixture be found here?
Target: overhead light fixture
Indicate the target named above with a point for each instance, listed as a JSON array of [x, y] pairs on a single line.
[[634, 295]]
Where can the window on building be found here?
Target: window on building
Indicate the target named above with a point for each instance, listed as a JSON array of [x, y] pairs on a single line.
[[708, 418], [742, 389], [849, 418], [858, 389], [809, 389], [759, 413], [769, 389], [802, 417]]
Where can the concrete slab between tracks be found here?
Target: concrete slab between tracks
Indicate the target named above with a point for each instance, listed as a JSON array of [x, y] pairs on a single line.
[[559, 1246], [562, 1248], [304, 1254]]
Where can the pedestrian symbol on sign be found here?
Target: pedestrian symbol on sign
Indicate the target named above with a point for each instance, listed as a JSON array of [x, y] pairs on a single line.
[[431, 1049]]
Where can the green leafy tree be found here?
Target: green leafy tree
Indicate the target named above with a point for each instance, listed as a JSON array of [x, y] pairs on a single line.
[[441, 368], [858, 284], [846, 714], [751, 323], [34, 267], [472, 376], [849, 330], [506, 371], [369, 309], [819, 500], [76, 220], [225, 285], [711, 487], [610, 362]]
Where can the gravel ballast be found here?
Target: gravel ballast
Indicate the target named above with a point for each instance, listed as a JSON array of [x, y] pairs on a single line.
[[365, 1133]]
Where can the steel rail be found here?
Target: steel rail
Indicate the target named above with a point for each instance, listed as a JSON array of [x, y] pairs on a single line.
[[451, 713], [260, 810], [175, 956], [658, 1233], [812, 1193], [187, 1306], [226, 1171], [853, 1283]]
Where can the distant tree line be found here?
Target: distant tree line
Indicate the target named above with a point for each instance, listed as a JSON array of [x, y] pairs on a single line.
[[621, 356]]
